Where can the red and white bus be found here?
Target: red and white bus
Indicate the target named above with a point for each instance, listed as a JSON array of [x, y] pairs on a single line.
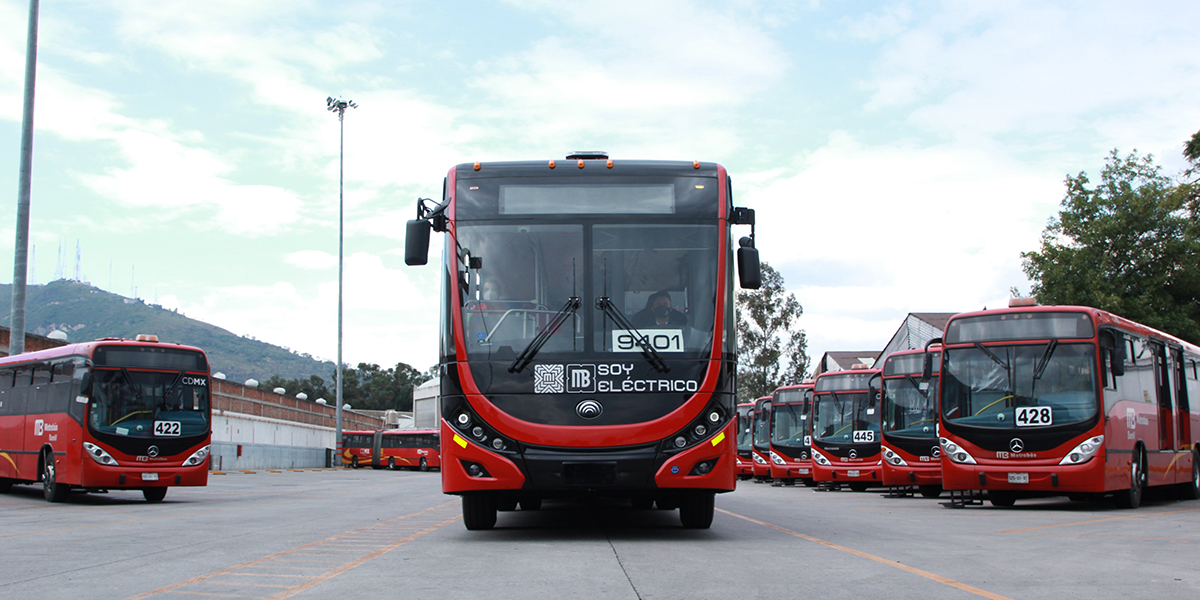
[[760, 439], [1054, 400], [745, 454], [791, 434], [105, 415], [587, 332], [392, 448], [845, 434], [911, 455]]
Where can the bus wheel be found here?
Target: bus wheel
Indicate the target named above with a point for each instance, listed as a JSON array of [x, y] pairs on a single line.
[[531, 503], [354, 462], [5, 485], [424, 465], [810, 483], [154, 494], [1189, 490], [858, 487], [1002, 498], [696, 510], [51, 488], [1132, 497], [391, 464], [930, 491], [479, 512]]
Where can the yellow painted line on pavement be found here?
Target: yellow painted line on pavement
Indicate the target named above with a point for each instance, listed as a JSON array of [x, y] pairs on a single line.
[[915, 571], [1139, 515]]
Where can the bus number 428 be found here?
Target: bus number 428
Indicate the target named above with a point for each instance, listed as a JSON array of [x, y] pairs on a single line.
[[1029, 416]]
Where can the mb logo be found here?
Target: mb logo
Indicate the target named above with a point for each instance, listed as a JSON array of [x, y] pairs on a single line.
[[581, 379]]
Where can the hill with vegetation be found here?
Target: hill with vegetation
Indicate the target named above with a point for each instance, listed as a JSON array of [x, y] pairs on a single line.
[[86, 313]]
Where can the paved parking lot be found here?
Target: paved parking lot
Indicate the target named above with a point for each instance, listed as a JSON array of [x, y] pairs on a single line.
[[358, 534]]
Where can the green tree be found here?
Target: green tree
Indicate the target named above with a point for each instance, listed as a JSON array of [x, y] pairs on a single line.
[[1128, 245], [772, 350]]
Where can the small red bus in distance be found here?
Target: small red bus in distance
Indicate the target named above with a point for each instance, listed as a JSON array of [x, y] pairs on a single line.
[[105, 415], [760, 439], [745, 458], [911, 455], [791, 433], [1067, 400], [588, 332], [845, 434], [392, 448]]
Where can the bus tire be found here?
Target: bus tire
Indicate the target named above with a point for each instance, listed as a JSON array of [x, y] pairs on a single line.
[[506, 504], [5, 485], [52, 490], [696, 510], [1132, 497], [424, 465], [354, 462], [930, 491], [154, 494], [810, 483], [858, 487], [531, 503], [391, 464], [1002, 498], [479, 512], [1188, 491]]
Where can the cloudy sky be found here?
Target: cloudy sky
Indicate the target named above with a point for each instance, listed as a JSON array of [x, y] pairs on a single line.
[[900, 155]]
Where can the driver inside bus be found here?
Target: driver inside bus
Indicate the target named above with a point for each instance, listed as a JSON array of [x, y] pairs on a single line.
[[659, 314]]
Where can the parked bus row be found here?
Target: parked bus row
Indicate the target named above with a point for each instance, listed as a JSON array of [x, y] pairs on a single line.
[[1020, 402]]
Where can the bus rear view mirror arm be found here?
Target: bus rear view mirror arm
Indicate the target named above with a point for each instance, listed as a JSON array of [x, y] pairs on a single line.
[[416, 235]]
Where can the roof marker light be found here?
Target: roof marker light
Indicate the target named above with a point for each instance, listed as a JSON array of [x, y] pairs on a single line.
[[551, 164], [1015, 302], [581, 163], [142, 337], [610, 163], [477, 165], [695, 164]]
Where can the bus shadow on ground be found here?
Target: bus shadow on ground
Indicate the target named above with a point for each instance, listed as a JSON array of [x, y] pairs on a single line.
[[110, 498], [1151, 498], [577, 519]]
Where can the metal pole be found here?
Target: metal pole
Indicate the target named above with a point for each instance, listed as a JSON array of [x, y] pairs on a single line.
[[16, 337], [339, 106]]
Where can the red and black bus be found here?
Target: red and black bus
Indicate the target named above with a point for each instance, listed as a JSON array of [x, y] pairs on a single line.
[[1067, 400], [791, 434], [911, 455], [845, 434], [760, 439], [392, 449], [745, 459], [105, 415], [588, 335]]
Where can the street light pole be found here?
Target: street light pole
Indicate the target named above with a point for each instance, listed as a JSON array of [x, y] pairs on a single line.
[[339, 106], [16, 333]]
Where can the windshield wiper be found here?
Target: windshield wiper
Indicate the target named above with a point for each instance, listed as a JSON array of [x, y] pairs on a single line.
[[543, 336], [137, 389], [994, 358], [605, 304], [916, 384], [1044, 361]]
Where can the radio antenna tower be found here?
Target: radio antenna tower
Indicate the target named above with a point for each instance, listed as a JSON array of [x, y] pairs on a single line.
[[78, 261]]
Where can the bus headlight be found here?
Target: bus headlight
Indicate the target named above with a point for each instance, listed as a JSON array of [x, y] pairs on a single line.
[[955, 453], [197, 457], [1083, 452], [99, 455], [776, 459], [820, 459], [758, 459], [892, 458]]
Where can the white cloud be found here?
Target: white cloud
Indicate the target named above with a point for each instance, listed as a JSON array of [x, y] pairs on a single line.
[[311, 259]]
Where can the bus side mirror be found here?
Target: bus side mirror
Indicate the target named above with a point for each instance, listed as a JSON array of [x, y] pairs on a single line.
[[85, 383], [416, 242], [749, 271], [927, 365]]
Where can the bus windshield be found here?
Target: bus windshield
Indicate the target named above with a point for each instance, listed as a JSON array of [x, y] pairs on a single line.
[[843, 417], [517, 280], [148, 404], [743, 423], [762, 427], [910, 406], [1029, 385], [787, 423]]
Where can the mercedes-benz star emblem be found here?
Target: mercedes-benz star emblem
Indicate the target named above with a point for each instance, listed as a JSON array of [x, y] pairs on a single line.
[[1016, 445], [936, 452], [589, 409], [152, 451], [853, 454]]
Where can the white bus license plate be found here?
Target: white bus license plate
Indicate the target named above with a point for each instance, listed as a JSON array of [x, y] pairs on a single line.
[[802, 471], [149, 476], [1018, 477], [851, 473]]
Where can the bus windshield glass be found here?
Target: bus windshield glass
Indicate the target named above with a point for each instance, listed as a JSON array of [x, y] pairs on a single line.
[[146, 404], [762, 427], [745, 413], [910, 406], [1013, 387], [787, 423], [844, 417]]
